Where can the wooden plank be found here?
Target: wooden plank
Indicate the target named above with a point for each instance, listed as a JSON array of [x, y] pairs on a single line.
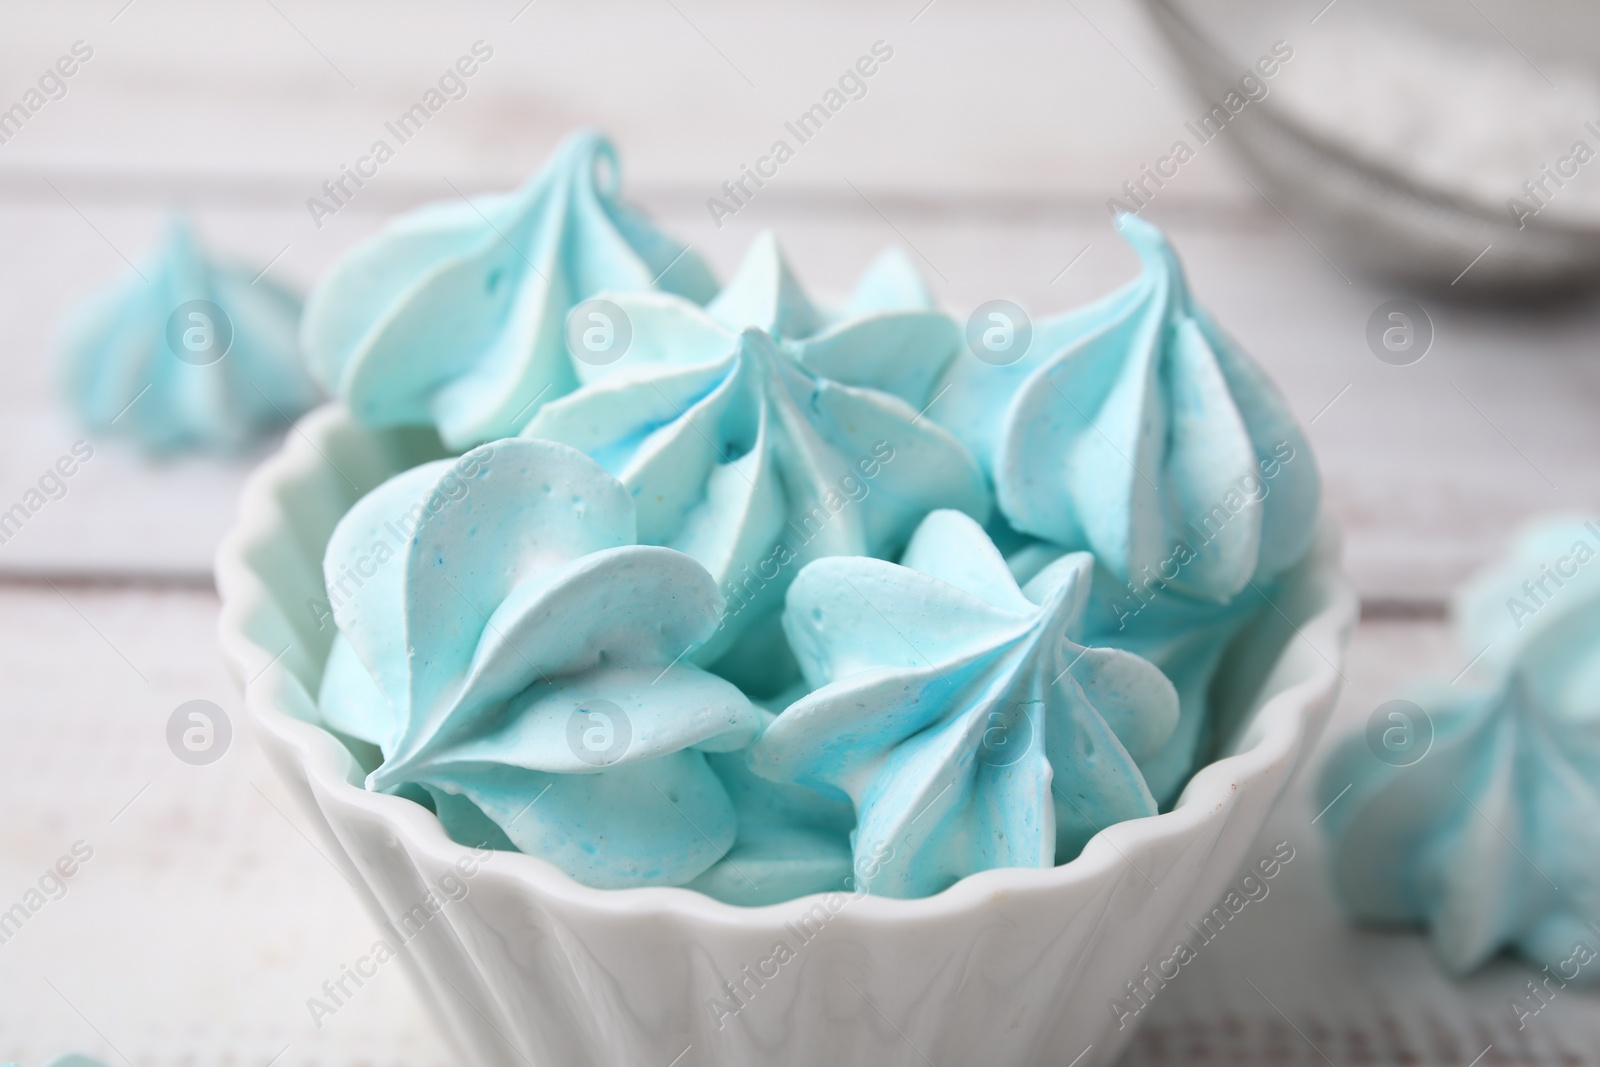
[[1428, 466], [1361, 996], [988, 143], [1031, 97], [205, 917]]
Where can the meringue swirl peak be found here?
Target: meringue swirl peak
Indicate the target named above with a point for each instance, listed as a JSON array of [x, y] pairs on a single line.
[[191, 354], [454, 315], [1136, 429], [958, 712], [522, 659], [759, 433], [1473, 808]]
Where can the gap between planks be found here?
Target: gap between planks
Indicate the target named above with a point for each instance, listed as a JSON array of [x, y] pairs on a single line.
[[109, 581], [28, 182], [1373, 609]]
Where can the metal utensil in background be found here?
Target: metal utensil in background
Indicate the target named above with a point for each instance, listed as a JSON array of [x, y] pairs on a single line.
[[1377, 213]]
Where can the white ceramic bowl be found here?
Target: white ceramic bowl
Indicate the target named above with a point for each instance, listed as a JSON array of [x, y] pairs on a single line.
[[529, 967]]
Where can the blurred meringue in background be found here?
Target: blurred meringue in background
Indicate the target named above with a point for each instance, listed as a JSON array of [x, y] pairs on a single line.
[[1474, 809], [188, 354]]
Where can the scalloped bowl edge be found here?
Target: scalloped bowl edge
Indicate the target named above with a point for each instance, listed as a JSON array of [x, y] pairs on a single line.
[[605, 976]]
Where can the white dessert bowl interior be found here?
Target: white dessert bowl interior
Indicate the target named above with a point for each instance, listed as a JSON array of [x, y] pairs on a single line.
[[520, 964]]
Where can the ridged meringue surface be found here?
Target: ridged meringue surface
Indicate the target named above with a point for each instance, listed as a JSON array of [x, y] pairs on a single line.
[[503, 639], [959, 713], [1184, 636], [454, 316], [792, 841], [1488, 831], [1541, 603], [1134, 426], [1489, 840], [194, 355], [758, 433]]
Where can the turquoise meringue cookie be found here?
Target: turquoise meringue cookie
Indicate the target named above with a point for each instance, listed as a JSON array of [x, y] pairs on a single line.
[[959, 713], [1183, 636], [1489, 840], [1135, 429], [891, 283], [454, 316], [504, 640], [1187, 638], [759, 433], [890, 336], [193, 355], [1488, 829], [1540, 603], [792, 841]]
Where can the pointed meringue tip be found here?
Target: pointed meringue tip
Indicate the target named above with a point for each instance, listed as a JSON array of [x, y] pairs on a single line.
[[892, 282], [1129, 223], [765, 292], [586, 134], [391, 774], [586, 152], [765, 255], [1140, 233], [1149, 241], [894, 257], [587, 140], [180, 242], [755, 339], [180, 225], [1062, 589]]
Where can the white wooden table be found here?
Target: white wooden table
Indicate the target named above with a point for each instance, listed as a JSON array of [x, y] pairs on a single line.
[[988, 144]]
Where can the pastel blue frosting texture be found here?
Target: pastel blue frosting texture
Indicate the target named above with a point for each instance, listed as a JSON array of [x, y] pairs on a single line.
[[960, 714], [1490, 839], [1135, 425], [454, 316], [1184, 636], [507, 645], [792, 841], [122, 376], [1540, 604], [726, 497], [759, 433]]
